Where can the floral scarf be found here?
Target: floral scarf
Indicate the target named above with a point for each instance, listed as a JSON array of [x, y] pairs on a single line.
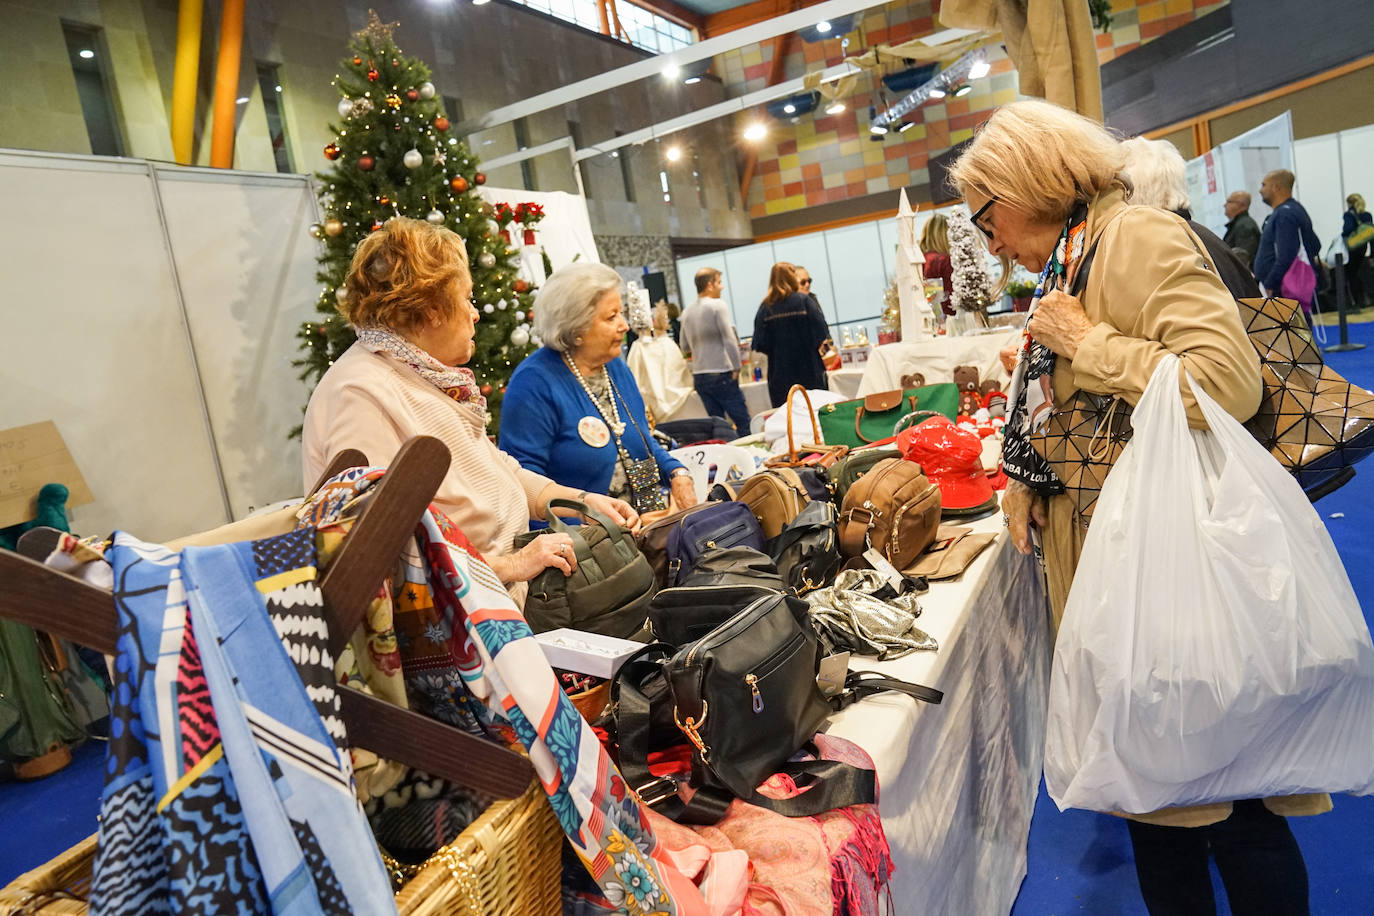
[[1030, 396], [458, 383]]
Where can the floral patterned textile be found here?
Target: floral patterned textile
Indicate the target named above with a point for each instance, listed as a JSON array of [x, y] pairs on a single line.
[[459, 384]]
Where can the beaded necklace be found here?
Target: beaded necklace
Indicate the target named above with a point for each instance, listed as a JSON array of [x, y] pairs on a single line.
[[613, 419]]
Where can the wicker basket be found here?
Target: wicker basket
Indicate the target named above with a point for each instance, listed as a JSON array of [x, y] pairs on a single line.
[[506, 862]]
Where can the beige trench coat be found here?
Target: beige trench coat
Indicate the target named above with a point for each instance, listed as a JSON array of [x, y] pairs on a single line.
[[1149, 292]]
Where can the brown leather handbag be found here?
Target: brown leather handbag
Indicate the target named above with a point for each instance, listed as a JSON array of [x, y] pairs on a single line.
[[812, 455], [776, 496], [893, 508]]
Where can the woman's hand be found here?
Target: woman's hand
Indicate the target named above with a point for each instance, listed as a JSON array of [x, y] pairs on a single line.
[[1060, 323], [617, 510], [1020, 506], [683, 490], [1008, 356], [548, 550]]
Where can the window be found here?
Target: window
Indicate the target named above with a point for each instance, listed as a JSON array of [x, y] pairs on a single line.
[[269, 82], [643, 28], [87, 54], [522, 143], [453, 108]]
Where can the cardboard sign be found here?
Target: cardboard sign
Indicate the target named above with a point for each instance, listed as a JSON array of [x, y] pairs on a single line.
[[31, 456]]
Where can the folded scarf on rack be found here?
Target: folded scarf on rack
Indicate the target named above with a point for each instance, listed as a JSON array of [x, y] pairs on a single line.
[[227, 786]]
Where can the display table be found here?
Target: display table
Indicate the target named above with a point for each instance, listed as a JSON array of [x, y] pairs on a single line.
[[958, 781], [935, 358], [844, 381]]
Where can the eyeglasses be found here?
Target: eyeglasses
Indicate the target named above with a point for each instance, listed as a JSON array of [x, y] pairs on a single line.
[[804, 282], [978, 216]]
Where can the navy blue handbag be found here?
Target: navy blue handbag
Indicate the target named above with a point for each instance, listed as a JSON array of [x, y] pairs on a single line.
[[727, 524]]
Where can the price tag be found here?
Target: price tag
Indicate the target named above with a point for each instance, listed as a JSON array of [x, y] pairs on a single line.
[[833, 670], [885, 569]]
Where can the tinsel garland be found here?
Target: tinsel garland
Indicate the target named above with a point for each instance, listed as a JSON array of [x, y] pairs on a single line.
[[971, 281]]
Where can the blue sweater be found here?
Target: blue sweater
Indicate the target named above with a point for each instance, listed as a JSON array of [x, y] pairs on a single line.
[[539, 417], [1278, 245]]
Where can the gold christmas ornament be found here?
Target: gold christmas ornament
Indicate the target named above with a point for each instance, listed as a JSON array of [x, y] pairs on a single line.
[[393, 101], [332, 227]]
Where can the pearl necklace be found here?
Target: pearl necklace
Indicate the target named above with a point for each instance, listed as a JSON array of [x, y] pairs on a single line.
[[617, 425]]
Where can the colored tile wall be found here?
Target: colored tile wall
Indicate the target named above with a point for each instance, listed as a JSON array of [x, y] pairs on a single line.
[[822, 159]]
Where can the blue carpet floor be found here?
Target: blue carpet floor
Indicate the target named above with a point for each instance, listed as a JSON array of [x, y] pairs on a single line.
[[1080, 862]]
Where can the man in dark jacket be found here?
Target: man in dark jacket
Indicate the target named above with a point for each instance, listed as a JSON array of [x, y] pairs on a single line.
[[1287, 228], [1242, 232]]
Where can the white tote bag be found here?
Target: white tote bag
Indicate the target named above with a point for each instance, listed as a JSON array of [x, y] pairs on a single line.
[[1212, 647]]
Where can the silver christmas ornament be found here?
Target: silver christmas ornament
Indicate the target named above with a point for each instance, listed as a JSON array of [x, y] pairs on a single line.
[[520, 337], [345, 107], [316, 230], [434, 216], [487, 260], [520, 316], [488, 309], [413, 159], [426, 90], [501, 304]]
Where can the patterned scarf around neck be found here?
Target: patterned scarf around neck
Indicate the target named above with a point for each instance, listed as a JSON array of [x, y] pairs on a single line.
[[1030, 395], [458, 383]]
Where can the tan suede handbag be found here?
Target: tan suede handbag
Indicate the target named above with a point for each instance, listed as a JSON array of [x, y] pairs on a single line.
[[894, 508]]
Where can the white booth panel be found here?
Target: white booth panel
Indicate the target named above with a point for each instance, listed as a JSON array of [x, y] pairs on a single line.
[[1357, 166], [887, 243], [746, 282], [246, 292], [687, 271], [857, 274], [96, 343], [1317, 165]]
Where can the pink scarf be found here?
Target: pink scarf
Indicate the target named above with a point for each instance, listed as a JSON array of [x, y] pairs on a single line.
[[458, 383]]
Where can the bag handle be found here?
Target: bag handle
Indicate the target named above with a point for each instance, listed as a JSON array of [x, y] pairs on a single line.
[[859, 415], [584, 554], [861, 684]]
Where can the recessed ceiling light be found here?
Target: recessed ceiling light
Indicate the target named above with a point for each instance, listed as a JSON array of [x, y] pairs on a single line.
[[963, 91], [692, 80], [671, 70], [479, 2], [755, 131], [937, 93], [241, 101], [86, 53], [835, 107], [279, 89], [905, 126], [673, 154], [789, 108], [823, 26], [878, 129]]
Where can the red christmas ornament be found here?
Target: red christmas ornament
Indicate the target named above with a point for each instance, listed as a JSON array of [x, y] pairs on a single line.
[[384, 200], [357, 61], [480, 178], [365, 163], [521, 286], [395, 62], [413, 94], [458, 183], [332, 151], [441, 123], [373, 75], [486, 390]]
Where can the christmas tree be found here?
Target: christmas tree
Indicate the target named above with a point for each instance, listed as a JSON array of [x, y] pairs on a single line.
[[394, 156]]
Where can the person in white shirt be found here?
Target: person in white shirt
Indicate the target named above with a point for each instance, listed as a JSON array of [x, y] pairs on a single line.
[[710, 339]]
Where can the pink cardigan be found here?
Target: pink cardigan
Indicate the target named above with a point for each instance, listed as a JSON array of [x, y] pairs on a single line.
[[374, 403]]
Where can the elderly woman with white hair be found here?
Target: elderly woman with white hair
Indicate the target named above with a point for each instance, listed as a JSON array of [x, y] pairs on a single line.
[[1160, 179], [1123, 287], [572, 410]]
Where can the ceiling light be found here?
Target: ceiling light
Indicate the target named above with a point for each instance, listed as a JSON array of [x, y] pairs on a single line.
[[692, 80], [789, 108], [905, 126], [877, 129], [241, 101], [673, 153], [823, 26], [671, 70], [755, 131], [86, 53], [937, 93], [963, 91], [979, 69], [279, 89], [479, 2], [615, 154], [835, 107]]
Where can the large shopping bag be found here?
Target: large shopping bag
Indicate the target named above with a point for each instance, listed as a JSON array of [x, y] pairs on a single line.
[[1211, 647]]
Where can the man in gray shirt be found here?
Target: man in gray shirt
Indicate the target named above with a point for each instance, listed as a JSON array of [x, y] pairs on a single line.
[[710, 339]]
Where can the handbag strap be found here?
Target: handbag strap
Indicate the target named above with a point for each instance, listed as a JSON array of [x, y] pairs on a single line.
[[859, 685], [580, 549]]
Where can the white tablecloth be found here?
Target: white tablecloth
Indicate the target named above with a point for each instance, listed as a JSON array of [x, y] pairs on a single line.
[[958, 781], [844, 381], [935, 357]]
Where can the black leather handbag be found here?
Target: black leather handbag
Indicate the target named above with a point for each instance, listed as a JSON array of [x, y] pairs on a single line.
[[724, 582], [806, 554], [610, 590]]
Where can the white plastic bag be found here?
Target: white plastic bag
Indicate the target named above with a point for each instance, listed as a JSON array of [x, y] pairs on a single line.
[[1212, 647]]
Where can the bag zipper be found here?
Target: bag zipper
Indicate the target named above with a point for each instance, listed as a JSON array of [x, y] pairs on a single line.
[[769, 665], [739, 621]]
